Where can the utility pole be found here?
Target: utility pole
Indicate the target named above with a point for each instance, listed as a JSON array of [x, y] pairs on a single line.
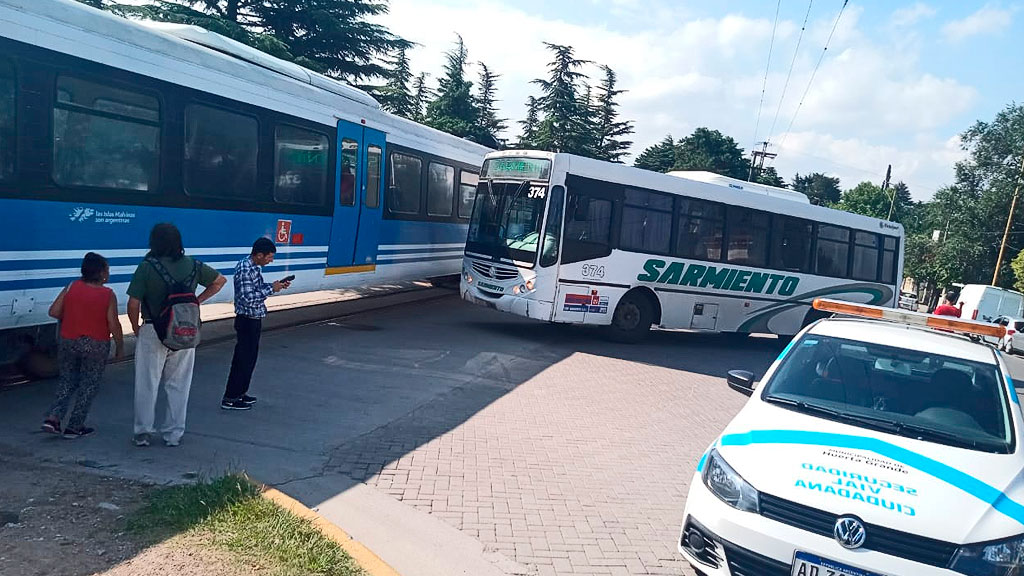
[[1009, 222], [758, 157], [885, 186]]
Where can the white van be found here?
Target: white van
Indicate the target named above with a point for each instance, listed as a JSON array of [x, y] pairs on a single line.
[[986, 303]]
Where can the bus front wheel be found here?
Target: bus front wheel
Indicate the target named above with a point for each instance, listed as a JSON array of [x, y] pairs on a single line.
[[632, 319]]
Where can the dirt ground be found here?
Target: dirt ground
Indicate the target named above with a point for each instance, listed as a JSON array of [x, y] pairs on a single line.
[[62, 521]]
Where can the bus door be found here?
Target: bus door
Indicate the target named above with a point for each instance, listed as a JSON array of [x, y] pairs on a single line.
[[358, 179]]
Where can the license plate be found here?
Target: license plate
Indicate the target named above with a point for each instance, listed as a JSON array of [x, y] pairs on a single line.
[[805, 564]]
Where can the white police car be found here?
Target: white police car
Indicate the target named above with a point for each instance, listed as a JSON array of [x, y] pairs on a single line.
[[869, 448]]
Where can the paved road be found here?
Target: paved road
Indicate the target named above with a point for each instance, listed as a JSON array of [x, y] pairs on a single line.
[[449, 438]]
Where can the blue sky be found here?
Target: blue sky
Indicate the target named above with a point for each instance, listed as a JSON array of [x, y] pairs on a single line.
[[899, 81]]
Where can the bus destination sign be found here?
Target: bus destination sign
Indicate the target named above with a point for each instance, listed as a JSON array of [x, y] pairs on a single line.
[[518, 168]]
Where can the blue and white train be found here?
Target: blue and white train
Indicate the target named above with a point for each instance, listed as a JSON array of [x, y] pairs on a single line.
[[108, 126]]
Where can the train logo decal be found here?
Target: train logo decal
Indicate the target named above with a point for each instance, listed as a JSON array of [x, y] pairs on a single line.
[[81, 214]]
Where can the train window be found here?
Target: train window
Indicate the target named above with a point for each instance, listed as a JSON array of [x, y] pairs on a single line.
[[349, 169], [221, 148], [300, 165], [833, 251], [440, 189], [467, 193], [373, 168], [105, 137], [7, 124], [404, 184]]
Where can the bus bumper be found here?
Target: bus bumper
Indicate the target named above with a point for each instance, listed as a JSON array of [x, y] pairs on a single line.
[[518, 305]]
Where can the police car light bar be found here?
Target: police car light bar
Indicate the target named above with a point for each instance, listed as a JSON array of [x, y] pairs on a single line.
[[911, 318]]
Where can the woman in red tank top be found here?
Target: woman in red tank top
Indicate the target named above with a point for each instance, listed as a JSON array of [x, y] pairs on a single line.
[[87, 311]]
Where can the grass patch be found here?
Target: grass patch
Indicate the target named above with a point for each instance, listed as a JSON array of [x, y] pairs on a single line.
[[231, 514]]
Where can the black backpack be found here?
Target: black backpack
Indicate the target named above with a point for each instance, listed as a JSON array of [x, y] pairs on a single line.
[[178, 323]]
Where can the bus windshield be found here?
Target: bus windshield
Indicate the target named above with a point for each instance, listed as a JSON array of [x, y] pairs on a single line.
[[507, 219]]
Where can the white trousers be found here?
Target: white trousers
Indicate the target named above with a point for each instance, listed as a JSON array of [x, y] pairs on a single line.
[[156, 365]]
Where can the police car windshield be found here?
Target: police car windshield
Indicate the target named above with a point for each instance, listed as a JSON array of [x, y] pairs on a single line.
[[915, 394]]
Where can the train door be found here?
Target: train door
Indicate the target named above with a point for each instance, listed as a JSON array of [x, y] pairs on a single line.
[[358, 182]]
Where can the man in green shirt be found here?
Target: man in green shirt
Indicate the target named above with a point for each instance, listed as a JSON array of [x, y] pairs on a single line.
[[157, 365]]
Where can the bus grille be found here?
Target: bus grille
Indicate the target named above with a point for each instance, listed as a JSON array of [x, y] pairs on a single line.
[[495, 271]]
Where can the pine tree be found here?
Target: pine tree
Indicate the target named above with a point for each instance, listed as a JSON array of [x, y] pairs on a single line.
[[659, 158], [490, 124], [610, 129], [528, 139], [396, 96], [564, 127], [454, 110], [421, 96]]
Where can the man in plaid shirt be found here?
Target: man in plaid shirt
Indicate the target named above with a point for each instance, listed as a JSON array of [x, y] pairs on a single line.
[[251, 294]]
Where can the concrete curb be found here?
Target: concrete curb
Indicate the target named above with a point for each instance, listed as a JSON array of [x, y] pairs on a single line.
[[365, 557]]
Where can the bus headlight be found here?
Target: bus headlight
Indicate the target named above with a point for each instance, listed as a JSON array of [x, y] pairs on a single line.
[[519, 289], [529, 285], [467, 276], [728, 485], [1004, 558]]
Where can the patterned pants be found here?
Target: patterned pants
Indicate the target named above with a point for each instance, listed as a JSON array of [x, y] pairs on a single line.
[[82, 362]]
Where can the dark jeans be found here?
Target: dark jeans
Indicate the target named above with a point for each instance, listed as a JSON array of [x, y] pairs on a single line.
[[247, 349]]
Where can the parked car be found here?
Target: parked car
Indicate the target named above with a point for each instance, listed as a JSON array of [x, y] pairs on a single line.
[[986, 303], [1011, 343], [908, 301]]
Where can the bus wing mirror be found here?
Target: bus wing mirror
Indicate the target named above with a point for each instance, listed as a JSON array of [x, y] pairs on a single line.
[[741, 381]]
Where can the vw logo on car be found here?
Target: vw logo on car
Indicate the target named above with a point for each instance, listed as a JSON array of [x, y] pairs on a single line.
[[849, 532]]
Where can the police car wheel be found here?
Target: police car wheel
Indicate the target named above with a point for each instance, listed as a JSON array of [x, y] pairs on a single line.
[[632, 319]]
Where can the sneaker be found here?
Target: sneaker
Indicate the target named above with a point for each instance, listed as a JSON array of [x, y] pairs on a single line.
[[239, 404], [141, 440], [172, 443], [52, 426], [250, 400], [72, 433]]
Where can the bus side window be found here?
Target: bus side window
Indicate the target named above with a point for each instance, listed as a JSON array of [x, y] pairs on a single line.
[[553, 227], [7, 116], [588, 229], [791, 244]]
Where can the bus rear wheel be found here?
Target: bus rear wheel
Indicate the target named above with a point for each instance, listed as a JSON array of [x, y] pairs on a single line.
[[632, 319]]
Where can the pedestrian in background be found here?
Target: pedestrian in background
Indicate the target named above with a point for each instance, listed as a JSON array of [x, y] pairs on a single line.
[[87, 311], [165, 270], [251, 293], [948, 306]]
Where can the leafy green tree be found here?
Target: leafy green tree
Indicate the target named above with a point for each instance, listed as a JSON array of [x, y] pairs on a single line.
[[528, 138], [610, 130], [336, 37], [421, 96], [565, 125], [822, 190], [712, 151], [454, 110], [659, 158], [770, 177], [870, 200], [396, 96], [1017, 264], [486, 101]]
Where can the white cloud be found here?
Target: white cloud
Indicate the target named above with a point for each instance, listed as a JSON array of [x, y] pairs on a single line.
[[870, 103], [988, 20], [905, 17]]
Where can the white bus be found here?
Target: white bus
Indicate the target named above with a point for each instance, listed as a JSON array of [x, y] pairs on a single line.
[[561, 238]]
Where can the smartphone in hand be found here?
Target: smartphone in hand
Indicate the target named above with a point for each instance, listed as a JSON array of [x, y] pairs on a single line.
[[287, 278]]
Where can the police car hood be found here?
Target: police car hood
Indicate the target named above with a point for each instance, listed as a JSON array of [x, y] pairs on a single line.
[[947, 493]]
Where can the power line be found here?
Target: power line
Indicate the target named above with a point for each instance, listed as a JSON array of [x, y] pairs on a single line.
[[789, 74], [767, 67], [813, 74]]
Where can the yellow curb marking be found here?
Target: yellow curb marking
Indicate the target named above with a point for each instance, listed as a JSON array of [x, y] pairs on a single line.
[[365, 557], [350, 269]]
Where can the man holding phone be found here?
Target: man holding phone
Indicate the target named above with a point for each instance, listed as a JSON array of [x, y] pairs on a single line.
[[251, 294]]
